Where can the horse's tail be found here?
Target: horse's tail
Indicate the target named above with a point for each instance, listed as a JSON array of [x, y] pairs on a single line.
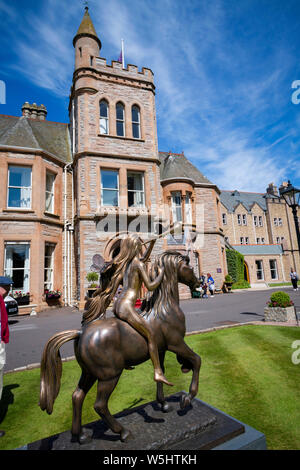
[[51, 368]]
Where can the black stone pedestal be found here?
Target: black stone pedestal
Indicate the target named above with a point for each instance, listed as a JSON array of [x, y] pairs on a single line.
[[199, 426]]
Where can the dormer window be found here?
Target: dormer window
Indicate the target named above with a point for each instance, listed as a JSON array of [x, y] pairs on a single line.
[[120, 119], [136, 122], [104, 120]]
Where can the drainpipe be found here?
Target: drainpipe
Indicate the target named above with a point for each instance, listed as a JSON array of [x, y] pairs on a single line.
[[68, 230]]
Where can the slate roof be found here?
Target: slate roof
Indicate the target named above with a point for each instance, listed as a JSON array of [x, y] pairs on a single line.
[[231, 199], [175, 165], [259, 249], [52, 137]]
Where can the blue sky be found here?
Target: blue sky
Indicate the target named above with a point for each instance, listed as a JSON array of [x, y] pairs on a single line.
[[223, 69]]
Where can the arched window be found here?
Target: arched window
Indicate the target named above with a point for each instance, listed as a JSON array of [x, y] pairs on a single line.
[[104, 120], [120, 117], [136, 122]]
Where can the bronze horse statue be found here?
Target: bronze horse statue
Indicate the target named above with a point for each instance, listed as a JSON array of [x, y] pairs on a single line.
[[105, 347]]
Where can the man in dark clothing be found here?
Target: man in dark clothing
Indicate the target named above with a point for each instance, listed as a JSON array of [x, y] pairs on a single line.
[[5, 283]]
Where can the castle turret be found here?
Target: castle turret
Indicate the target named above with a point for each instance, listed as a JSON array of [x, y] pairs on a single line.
[[86, 43]]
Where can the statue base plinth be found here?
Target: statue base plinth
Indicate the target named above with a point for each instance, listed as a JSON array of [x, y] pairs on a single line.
[[197, 427]]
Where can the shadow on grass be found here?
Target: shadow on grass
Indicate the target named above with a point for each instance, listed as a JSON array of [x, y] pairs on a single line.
[[7, 399]]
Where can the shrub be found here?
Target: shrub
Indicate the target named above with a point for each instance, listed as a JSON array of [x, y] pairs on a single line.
[[228, 278], [280, 299], [92, 277]]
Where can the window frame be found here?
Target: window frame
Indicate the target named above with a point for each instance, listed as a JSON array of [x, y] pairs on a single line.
[[19, 187], [102, 188], [118, 120], [175, 206], [104, 118], [224, 218], [272, 269], [52, 192], [140, 191], [51, 268], [239, 219], [9, 271], [136, 123], [261, 270]]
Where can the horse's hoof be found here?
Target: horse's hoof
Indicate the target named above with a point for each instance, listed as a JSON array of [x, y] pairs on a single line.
[[166, 407], [185, 401], [125, 435], [82, 438]]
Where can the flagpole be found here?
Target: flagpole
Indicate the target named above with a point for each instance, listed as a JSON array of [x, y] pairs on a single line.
[[123, 56]]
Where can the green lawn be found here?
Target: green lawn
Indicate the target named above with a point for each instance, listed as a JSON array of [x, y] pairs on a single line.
[[246, 372]]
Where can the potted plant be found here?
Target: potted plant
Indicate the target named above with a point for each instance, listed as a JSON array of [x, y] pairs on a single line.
[[92, 277], [52, 294], [228, 282], [22, 298], [279, 308]]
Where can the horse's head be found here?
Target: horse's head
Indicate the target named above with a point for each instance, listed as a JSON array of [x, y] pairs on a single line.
[[186, 274]]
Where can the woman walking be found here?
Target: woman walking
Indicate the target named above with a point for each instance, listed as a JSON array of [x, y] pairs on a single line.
[[294, 279]]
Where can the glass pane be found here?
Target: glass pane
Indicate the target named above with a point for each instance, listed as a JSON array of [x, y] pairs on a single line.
[[19, 176], [103, 109], [49, 182], [135, 181], [120, 111], [109, 179], [19, 197], [135, 114], [136, 130], [109, 198], [48, 275], [103, 126], [49, 202], [120, 128], [178, 214]]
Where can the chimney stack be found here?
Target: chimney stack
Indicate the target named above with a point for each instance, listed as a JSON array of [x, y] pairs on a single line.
[[33, 111], [272, 189]]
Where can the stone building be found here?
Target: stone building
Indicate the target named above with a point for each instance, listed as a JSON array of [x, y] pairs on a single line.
[[69, 188], [261, 227]]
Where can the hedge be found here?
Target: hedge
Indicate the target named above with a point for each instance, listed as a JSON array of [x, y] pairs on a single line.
[[235, 265]]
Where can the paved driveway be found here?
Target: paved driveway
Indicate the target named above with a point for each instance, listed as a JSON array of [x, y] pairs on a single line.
[[28, 335]]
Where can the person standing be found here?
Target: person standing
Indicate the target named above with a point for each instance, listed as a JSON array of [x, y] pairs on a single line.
[[211, 284], [5, 283], [294, 279]]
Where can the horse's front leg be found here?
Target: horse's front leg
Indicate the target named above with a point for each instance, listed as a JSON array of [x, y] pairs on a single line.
[[182, 350], [165, 406]]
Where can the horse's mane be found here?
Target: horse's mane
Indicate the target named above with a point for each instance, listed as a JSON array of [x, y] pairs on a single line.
[[159, 301]]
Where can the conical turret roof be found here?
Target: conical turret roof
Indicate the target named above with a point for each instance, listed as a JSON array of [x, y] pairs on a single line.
[[87, 28]]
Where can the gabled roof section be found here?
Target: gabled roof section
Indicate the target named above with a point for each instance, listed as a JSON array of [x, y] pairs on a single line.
[[231, 199], [52, 137], [174, 165]]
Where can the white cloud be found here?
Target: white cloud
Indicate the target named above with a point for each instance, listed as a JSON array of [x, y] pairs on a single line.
[[221, 94]]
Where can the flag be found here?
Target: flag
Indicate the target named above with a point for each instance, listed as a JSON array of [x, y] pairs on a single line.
[[121, 58]]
